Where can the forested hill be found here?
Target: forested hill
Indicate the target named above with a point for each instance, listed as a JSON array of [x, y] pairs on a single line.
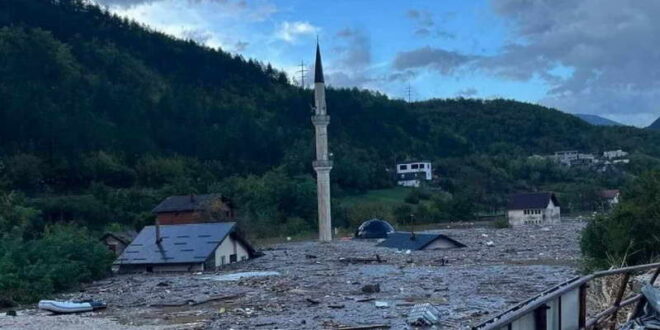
[[655, 125], [91, 102]]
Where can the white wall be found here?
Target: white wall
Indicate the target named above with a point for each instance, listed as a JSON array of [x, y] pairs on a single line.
[[552, 213], [518, 217], [427, 170], [408, 183], [228, 247]]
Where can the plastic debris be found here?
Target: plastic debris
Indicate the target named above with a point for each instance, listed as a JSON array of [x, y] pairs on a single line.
[[381, 304], [70, 306], [238, 276], [423, 315], [490, 243]]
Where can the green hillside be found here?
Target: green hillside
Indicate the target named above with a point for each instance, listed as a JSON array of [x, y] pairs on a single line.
[[101, 118]]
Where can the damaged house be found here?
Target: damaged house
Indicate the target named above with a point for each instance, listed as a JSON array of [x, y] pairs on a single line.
[[415, 241], [189, 247], [533, 208], [185, 209]]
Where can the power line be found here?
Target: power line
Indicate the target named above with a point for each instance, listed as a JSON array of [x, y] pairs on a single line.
[[409, 93], [302, 72]]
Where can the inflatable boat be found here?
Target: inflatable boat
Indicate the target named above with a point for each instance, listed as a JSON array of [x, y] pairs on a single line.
[[70, 306]]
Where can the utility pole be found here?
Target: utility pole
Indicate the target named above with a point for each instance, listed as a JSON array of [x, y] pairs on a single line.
[[302, 72], [409, 93]]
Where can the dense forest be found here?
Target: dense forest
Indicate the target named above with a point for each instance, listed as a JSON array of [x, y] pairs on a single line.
[[101, 118]]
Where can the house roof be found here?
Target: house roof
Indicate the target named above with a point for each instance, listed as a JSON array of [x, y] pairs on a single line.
[[123, 236], [318, 67], [191, 243], [184, 203], [531, 201], [609, 193], [403, 241]]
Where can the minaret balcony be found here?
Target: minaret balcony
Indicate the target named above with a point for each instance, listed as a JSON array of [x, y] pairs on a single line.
[[321, 120], [322, 164]]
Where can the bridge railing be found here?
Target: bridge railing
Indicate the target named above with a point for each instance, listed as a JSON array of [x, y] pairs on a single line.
[[565, 306]]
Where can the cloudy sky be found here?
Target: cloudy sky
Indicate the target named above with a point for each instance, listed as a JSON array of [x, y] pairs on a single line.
[[589, 56]]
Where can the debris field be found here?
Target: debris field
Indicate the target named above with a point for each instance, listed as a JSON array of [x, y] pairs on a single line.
[[337, 285]]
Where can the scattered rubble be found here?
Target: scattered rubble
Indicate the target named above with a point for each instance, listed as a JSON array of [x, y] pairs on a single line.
[[424, 315], [312, 293]]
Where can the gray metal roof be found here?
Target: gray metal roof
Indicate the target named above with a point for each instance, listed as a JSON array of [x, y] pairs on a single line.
[[192, 243], [403, 241], [532, 201], [184, 203]]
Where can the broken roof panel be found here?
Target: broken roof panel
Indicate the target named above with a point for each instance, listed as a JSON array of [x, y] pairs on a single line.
[[408, 241], [531, 201], [192, 243]]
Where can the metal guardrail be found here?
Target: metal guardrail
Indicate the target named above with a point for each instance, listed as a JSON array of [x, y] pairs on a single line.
[[538, 306]]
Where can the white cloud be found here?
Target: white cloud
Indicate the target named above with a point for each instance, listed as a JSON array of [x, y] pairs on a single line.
[[290, 31]]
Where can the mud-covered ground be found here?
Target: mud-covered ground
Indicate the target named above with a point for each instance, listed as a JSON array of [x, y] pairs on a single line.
[[317, 289]]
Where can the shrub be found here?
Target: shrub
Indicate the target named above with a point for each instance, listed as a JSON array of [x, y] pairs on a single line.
[[627, 236], [501, 222], [412, 197], [64, 257]]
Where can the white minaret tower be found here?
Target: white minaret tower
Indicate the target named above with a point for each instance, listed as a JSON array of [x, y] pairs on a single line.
[[322, 164]]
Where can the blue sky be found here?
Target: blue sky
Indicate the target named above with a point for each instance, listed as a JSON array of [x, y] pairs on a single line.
[[592, 56]]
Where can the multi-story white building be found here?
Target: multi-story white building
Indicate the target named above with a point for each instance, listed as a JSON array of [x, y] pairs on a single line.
[[612, 154], [411, 174]]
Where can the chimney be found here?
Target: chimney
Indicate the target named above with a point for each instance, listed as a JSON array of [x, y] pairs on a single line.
[[158, 238]]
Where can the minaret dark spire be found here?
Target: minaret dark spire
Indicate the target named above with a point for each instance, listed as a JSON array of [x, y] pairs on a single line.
[[318, 67]]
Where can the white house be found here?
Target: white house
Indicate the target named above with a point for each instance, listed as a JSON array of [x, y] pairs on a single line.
[[411, 174], [533, 208], [189, 247], [612, 154], [566, 157]]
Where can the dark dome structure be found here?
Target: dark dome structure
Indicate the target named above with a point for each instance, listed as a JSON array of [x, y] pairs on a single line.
[[374, 228]]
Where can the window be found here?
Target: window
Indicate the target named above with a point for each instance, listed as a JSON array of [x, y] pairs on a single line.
[[403, 167], [421, 165], [414, 166], [232, 258]]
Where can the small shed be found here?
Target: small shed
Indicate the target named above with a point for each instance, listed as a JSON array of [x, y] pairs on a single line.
[[533, 208], [118, 241], [417, 241], [191, 247], [374, 228]]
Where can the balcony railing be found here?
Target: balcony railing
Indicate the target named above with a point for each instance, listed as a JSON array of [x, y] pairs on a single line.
[[322, 163], [320, 119]]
